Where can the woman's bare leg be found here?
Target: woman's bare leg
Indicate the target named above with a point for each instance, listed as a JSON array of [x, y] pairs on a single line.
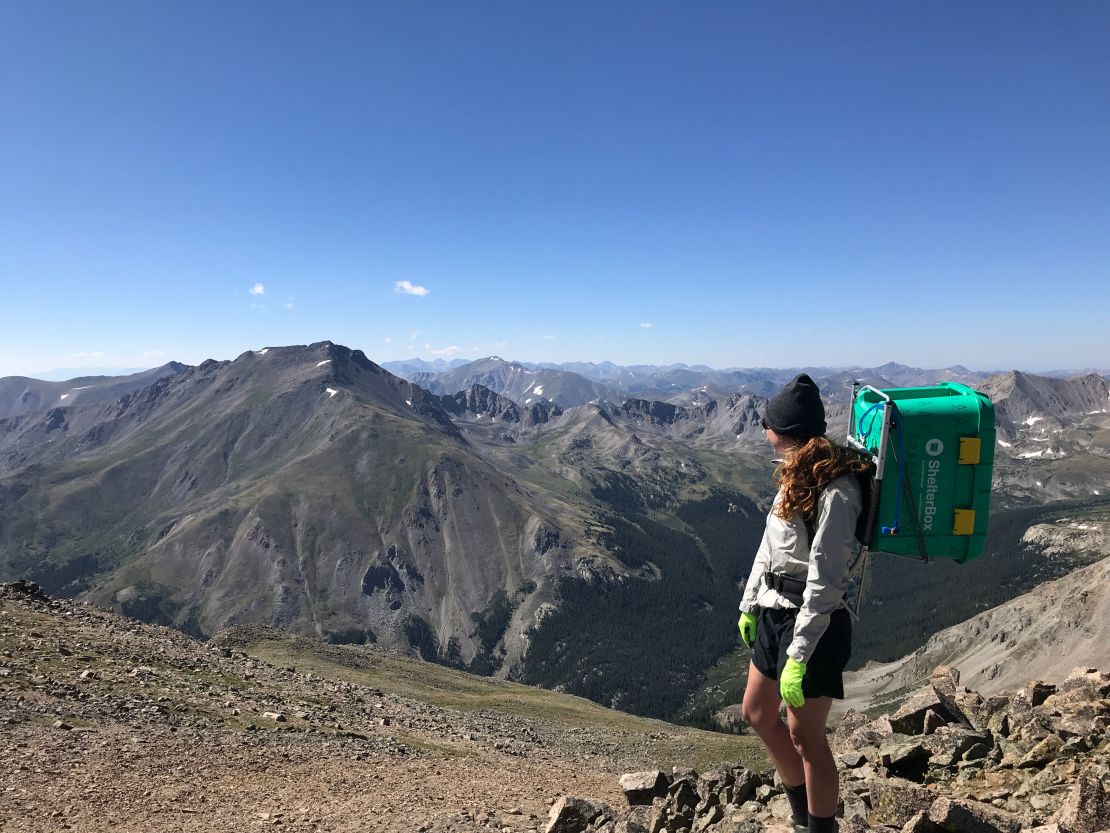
[[761, 710], [807, 734]]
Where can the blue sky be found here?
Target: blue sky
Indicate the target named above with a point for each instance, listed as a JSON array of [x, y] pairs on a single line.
[[761, 183]]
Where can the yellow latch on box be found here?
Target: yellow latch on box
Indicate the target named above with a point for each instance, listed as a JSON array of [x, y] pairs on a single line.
[[964, 522], [969, 451]]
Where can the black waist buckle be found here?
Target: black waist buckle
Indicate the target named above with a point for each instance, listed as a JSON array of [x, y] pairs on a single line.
[[789, 587]]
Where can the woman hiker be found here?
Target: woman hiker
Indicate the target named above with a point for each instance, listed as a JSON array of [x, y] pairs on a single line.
[[792, 614]]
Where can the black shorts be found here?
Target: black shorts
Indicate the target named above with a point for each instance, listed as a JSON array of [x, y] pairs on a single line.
[[825, 669]]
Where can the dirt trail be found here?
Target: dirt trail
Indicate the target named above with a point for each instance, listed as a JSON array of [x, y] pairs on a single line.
[[156, 780]]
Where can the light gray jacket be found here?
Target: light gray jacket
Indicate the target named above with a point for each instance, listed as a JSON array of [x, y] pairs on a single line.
[[785, 549]]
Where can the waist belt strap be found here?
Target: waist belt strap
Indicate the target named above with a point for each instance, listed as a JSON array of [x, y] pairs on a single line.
[[789, 587]]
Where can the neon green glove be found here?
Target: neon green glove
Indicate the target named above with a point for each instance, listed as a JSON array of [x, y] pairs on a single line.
[[748, 626], [790, 683]]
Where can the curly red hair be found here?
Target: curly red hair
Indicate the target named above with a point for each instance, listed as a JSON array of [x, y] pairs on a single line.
[[808, 468]]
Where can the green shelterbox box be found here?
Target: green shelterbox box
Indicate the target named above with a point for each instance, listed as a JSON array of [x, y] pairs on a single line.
[[936, 471]]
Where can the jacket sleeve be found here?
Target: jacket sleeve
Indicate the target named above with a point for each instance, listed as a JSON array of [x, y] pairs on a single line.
[[755, 578], [827, 580]]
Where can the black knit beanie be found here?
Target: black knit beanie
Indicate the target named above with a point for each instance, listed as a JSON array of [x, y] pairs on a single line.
[[797, 410]]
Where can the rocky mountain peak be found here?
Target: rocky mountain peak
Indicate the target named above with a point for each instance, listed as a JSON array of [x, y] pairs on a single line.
[[482, 402], [661, 413], [894, 369]]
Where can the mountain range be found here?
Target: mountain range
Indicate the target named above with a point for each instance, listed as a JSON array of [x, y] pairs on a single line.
[[568, 383], [508, 519]]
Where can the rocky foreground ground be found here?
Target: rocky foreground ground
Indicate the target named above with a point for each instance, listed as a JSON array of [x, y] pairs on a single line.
[[1037, 759], [107, 724]]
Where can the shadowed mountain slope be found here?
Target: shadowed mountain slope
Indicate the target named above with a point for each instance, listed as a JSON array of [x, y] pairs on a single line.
[[304, 487], [1053, 628]]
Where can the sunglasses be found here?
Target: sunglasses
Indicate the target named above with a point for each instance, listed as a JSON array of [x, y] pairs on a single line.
[[764, 424]]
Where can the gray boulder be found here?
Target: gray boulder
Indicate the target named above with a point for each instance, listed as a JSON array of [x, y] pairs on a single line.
[[911, 718], [856, 730], [967, 816], [1082, 684], [854, 824], [744, 784], [965, 706], [575, 815], [1086, 808], [921, 823], [1042, 753], [1039, 691], [894, 801], [683, 793], [905, 757], [635, 822], [708, 819], [951, 744], [641, 787]]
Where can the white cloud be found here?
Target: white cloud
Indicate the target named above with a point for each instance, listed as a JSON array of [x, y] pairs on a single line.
[[153, 354], [549, 338], [289, 305], [407, 288], [88, 354], [447, 351], [258, 289], [388, 339], [647, 325]]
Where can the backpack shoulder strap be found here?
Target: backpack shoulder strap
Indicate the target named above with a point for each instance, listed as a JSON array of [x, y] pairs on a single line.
[[868, 504], [811, 527], [866, 481]]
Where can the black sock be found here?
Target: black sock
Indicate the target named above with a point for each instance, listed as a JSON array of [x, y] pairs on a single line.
[[823, 825], [799, 803]]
